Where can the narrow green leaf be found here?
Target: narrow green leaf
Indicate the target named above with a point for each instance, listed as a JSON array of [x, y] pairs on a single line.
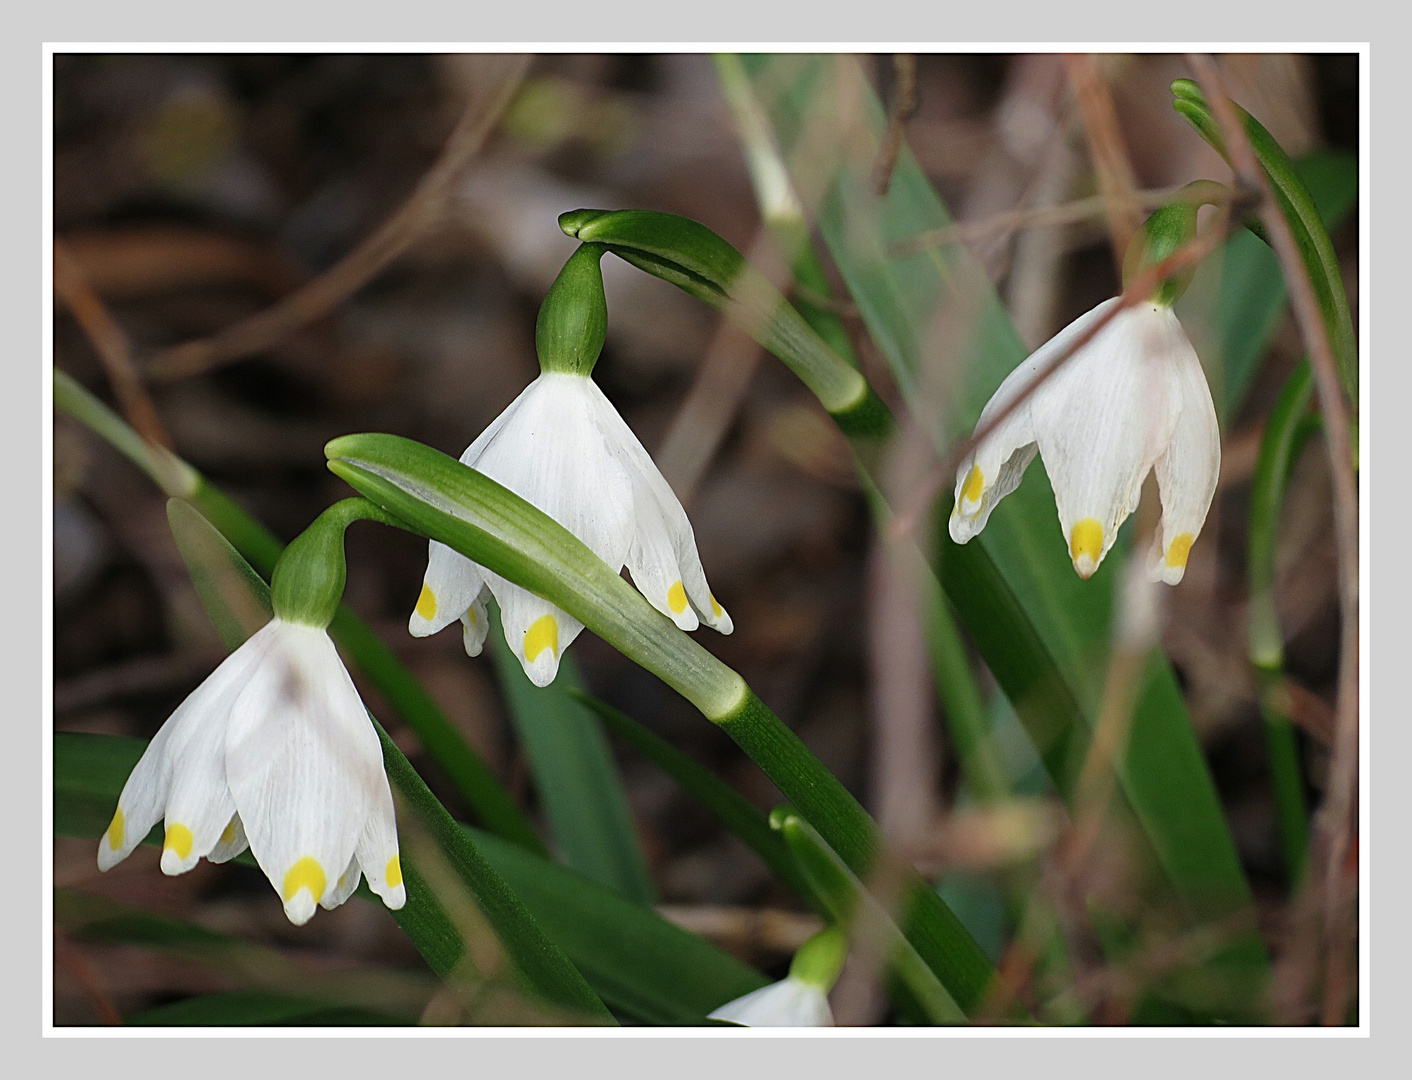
[[259, 1008], [574, 774], [474, 780], [1298, 209], [732, 808], [853, 907]]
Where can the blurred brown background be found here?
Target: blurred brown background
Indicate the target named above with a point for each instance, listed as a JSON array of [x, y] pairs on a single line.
[[195, 191]]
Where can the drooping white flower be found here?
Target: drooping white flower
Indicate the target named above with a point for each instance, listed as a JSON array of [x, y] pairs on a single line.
[[562, 446], [274, 751], [1133, 398], [791, 1002]]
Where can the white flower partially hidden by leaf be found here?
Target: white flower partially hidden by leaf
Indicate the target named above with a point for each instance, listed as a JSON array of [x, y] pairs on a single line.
[[791, 1002], [276, 752], [562, 446], [1133, 398]]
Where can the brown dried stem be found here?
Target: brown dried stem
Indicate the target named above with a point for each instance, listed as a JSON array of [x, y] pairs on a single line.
[[1110, 153], [426, 208], [111, 345], [901, 109]]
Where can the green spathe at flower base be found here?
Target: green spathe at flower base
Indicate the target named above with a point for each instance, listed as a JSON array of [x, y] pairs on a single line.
[[819, 960], [307, 584], [1161, 235], [573, 320]]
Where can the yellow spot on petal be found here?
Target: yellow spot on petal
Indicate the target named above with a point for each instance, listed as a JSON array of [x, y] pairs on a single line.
[[470, 616], [178, 840], [1086, 541], [676, 598], [305, 874], [1178, 550], [715, 607], [426, 603], [543, 634], [975, 484], [393, 876], [115, 831], [228, 837]]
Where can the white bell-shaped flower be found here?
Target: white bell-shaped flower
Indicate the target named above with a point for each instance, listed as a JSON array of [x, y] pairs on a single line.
[[791, 1002], [274, 751], [562, 446], [1133, 398]]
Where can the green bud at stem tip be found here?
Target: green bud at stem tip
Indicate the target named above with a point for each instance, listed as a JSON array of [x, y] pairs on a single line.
[[1162, 234], [573, 320], [819, 960], [307, 584]]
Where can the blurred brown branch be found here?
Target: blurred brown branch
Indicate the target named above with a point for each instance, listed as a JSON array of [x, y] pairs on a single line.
[[427, 207]]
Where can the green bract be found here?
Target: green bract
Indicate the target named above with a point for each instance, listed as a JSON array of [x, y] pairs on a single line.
[[573, 320]]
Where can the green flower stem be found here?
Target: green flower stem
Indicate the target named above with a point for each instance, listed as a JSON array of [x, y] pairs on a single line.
[[695, 259], [449, 502], [1279, 448], [473, 779], [1297, 206], [308, 579]]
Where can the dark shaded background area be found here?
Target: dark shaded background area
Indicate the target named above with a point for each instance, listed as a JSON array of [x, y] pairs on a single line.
[[194, 191]]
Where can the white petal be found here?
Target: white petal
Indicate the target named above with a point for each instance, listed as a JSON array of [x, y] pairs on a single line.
[[1101, 423], [450, 586], [995, 468], [1187, 471], [377, 850], [663, 555], [343, 888], [475, 624], [788, 1003], [183, 742], [536, 631], [553, 453], [303, 762], [231, 843]]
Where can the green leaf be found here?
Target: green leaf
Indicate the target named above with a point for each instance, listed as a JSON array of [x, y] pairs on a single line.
[[444, 926], [574, 774], [1042, 631], [1238, 297], [259, 1008], [474, 780], [641, 964], [1297, 207], [852, 906], [732, 808]]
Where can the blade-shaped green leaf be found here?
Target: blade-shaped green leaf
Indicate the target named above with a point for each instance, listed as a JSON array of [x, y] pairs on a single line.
[[574, 774], [259, 1008], [730, 806], [1042, 631]]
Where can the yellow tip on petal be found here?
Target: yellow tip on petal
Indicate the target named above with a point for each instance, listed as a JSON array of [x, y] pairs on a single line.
[[1086, 546], [178, 841], [426, 603], [305, 874], [975, 484], [1178, 550], [393, 875], [715, 607], [676, 598], [470, 616], [228, 836], [543, 634], [115, 830]]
